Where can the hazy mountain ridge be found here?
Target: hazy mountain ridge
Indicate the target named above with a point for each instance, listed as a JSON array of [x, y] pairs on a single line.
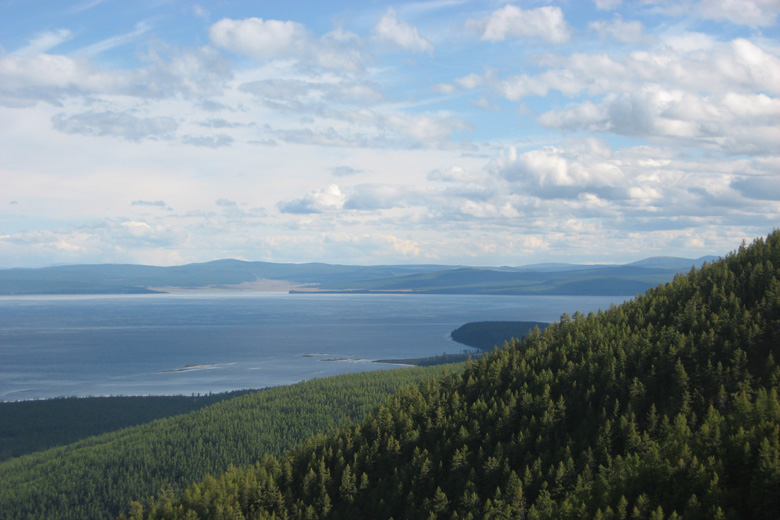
[[229, 274]]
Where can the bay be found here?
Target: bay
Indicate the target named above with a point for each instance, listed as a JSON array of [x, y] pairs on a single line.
[[185, 343]]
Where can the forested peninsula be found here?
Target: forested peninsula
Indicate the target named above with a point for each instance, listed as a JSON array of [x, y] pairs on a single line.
[[663, 407]]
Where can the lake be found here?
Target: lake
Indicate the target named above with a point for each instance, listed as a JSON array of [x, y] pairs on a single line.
[[186, 343]]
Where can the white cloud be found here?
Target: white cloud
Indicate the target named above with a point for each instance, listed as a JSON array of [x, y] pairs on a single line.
[[261, 39], [546, 23], [517, 87], [733, 123], [741, 12], [43, 42], [116, 124], [26, 80], [200, 11], [626, 32], [344, 171], [318, 201], [208, 141], [392, 31], [46, 75], [444, 88], [745, 12], [379, 196], [428, 130], [338, 50], [471, 81], [552, 173], [608, 4], [159, 204], [698, 166], [115, 41]]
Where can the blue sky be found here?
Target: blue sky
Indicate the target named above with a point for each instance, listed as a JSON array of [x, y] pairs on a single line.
[[447, 131]]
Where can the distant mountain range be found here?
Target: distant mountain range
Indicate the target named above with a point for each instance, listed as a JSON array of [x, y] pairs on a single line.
[[235, 275]]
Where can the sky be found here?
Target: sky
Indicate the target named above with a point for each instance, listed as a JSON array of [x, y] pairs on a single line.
[[167, 132]]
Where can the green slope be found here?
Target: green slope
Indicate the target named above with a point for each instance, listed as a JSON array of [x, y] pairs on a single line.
[[97, 477], [664, 407], [29, 426]]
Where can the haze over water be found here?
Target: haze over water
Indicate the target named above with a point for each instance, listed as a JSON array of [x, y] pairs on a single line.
[[213, 342]]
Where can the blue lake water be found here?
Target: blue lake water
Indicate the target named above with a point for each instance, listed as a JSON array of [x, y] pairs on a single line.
[[213, 342]]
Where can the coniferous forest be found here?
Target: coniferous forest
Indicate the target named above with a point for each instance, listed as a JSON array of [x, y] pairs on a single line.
[[97, 477], [663, 407]]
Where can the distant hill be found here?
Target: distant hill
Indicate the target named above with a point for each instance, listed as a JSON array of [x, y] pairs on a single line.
[[539, 279], [672, 262]]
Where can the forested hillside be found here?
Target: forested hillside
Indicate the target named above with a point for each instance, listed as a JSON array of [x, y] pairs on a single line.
[[30, 426], [664, 407], [96, 478]]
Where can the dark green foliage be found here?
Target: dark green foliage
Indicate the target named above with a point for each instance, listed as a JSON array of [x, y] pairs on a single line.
[[30, 426], [97, 477], [664, 407], [441, 359], [485, 335]]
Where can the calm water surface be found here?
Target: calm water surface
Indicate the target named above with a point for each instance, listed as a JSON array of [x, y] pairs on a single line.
[[213, 342]]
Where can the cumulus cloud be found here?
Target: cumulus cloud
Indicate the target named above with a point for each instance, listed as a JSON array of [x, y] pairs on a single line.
[[686, 91], [318, 201], [546, 23], [276, 39], [746, 12], [26, 79], [641, 189], [710, 68], [339, 50], [607, 4], [523, 85], [47, 76], [261, 39], [551, 172], [116, 124], [742, 12], [445, 88], [428, 130], [733, 123], [626, 32], [394, 32], [371, 197]]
